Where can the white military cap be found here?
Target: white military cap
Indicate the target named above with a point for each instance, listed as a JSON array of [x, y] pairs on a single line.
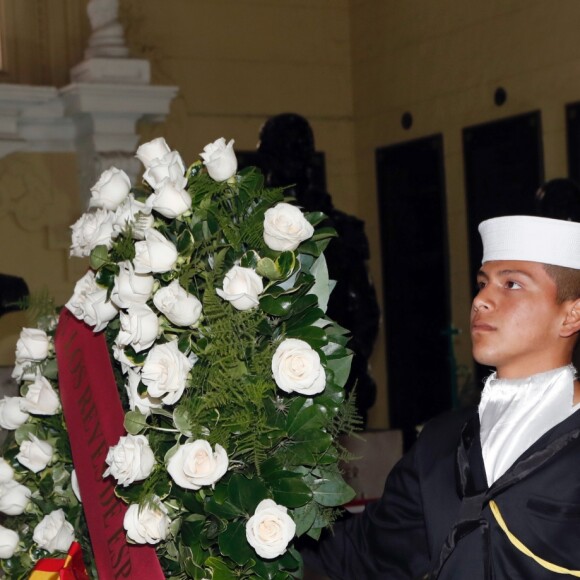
[[533, 239]]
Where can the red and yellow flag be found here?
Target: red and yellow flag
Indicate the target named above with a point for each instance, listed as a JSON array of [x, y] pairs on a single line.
[[70, 568]]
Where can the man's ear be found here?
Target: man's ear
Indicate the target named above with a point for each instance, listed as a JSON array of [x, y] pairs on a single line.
[[571, 323]]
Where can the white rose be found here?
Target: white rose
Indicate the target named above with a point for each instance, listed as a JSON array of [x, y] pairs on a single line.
[[33, 345], [285, 227], [152, 150], [89, 303], [6, 471], [111, 189], [194, 465], [41, 398], [165, 372], [142, 402], [11, 413], [170, 199], [170, 167], [270, 529], [155, 254], [74, 482], [14, 498], [180, 307], [147, 524], [8, 542], [135, 214], [130, 287], [139, 327], [92, 229], [35, 454], [54, 533], [220, 159], [130, 460], [25, 371], [241, 287], [296, 367]]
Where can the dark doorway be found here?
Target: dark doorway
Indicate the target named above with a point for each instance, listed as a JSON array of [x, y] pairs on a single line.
[[503, 169], [411, 188]]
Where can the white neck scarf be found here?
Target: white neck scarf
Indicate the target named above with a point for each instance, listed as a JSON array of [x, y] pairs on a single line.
[[515, 413]]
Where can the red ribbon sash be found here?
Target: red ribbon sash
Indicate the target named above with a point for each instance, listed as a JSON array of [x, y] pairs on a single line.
[[94, 418]]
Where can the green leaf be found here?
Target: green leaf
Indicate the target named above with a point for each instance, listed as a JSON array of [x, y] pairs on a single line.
[[134, 422], [182, 420], [99, 257], [276, 306], [50, 369], [131, 494], [304, 517], [314, 533], [184, 342], [304, 303], [304, 320], [190, 532], [189, 499], [219, 569], [340, 368], [296, 406], [289, 489], [331, 490], [233, 543], [246, 493], [267, 268], [24, 431], [286, 263], [251, 259], [226, 510], [185, 243], [315, 217], [316, 337], [312, 417], [321, 288]]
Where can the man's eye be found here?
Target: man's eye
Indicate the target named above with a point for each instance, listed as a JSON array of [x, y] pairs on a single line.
[[481, 285], [511, 285]]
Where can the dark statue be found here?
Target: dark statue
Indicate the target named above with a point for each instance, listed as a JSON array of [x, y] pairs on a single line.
[[13, 291], [286, 152], [559, 199]]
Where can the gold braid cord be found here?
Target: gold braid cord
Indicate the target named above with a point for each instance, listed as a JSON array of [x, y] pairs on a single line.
[[524, 549]]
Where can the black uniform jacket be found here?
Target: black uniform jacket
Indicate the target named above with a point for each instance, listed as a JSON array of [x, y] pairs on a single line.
[[434, 518]]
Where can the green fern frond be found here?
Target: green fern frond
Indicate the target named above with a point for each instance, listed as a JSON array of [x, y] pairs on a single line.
[[347, 421]]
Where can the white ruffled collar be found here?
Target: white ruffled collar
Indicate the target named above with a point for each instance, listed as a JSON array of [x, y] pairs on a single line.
[[515, 413]]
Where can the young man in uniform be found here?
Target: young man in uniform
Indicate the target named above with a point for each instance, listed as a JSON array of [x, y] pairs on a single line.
[[492, 492]]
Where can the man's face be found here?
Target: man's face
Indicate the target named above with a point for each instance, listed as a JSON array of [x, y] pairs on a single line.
[[515, 319]]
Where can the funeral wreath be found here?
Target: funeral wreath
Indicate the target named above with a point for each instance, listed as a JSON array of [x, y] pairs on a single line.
[[211, 291]]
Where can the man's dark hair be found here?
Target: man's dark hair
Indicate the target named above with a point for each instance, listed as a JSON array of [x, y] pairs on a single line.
[[567, 282]]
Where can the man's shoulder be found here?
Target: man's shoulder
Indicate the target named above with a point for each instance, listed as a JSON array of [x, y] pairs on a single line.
[[441, 434]]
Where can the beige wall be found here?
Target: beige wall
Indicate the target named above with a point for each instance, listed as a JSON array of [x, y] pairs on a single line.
[[239, 62], [38, 202], [236, 63], [352, 67], [442, 61]]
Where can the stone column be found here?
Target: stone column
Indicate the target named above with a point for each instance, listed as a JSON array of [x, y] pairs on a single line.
[[109, 93]]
